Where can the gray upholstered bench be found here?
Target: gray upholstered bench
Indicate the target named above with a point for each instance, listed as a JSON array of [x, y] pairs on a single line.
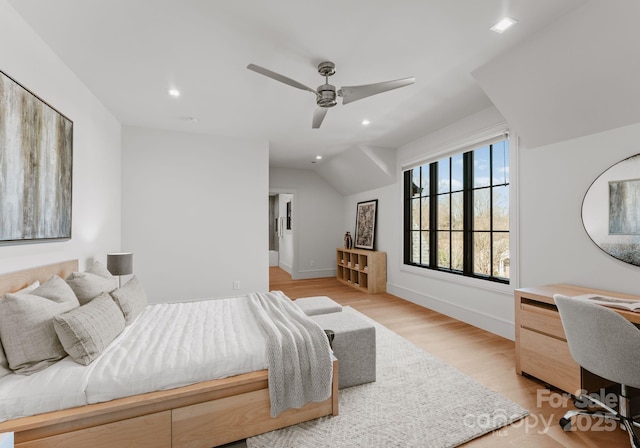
[[354, 345], [313, 306]]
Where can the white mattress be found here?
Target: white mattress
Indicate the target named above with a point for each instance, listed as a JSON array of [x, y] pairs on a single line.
[[168, 346]]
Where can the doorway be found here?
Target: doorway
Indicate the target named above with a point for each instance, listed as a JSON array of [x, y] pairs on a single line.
[[281, 230]]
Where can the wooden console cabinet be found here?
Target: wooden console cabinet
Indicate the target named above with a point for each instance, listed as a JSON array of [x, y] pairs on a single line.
[[362, 269], [541, 345]]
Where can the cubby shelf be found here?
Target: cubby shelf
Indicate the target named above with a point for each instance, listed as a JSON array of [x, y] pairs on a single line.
[[362, 269]]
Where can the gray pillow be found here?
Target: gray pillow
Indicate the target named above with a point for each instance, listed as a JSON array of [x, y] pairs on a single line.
[[55, 289], [87, 330], [4, 364], [29, 288], [131, 298], [26, 327], [87, 285]]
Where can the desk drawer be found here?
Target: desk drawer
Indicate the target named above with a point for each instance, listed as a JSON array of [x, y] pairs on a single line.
[[541, 319], [549, 360]]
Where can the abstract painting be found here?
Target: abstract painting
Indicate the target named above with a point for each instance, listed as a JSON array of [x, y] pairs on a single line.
[[366, 224], [36, 155], [624, 207]]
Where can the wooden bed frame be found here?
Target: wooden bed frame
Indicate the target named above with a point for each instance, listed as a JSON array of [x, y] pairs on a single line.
[[206, 414]]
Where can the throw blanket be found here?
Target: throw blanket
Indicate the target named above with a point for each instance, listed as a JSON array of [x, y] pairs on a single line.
[[298, 353]]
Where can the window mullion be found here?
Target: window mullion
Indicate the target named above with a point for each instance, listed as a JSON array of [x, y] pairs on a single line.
[[491, 267], [433, 215], [450, 213], [408, 228], [467, 167]]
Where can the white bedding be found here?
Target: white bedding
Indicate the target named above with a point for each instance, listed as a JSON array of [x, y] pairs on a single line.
[[198, 341]]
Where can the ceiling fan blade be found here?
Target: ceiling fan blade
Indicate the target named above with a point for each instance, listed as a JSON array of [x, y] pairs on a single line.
[[318, 116], [281, 78], [350, 94]]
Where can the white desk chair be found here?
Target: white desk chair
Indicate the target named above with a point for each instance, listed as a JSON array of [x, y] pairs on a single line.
[[605, 343]]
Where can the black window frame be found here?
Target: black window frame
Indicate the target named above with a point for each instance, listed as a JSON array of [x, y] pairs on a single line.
[[468, 231]]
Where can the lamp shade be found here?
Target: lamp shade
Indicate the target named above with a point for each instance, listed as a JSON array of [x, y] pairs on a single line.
[[120, 263]]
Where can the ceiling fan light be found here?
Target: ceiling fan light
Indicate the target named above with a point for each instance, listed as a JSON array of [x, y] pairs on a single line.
[[326, 96]]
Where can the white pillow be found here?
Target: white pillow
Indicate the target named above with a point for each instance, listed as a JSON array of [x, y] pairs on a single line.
[[87, 330], [26, 326], [131, 298]]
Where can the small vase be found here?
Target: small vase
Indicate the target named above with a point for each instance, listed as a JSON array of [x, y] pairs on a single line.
[[348, 241]]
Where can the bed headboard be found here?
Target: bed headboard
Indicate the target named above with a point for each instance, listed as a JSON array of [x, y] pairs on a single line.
[[13, 281]]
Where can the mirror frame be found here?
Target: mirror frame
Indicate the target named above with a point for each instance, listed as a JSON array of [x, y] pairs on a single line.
[[611, 210]]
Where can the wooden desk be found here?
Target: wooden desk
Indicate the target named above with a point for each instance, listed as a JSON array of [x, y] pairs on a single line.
[[541, 346]]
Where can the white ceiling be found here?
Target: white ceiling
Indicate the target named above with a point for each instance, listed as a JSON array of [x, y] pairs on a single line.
[[130, 52]]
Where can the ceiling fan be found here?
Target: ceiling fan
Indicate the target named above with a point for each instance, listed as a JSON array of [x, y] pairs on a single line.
[[326, 93]]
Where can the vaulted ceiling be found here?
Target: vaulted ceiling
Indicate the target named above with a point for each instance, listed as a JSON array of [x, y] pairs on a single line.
[[130, 52]]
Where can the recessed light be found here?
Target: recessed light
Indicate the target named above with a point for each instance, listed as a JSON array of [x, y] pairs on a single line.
[[503, 25], [365, 122], [318, 157], [174, 92]]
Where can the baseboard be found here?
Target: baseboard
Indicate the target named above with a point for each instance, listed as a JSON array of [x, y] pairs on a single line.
[[487, 322], [285, 267], [316, 273]]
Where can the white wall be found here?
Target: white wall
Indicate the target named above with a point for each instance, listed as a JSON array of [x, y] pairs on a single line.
[[554, 247], [483, 304], [550, 246], [318, 221], [487, 305], [194, 213], [96, 150], [387, 223]]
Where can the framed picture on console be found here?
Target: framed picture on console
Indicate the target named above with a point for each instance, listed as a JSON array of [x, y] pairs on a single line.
[[366, 215], [36, 164]]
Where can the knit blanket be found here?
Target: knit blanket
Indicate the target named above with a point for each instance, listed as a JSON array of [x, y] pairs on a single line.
[[298, 353]]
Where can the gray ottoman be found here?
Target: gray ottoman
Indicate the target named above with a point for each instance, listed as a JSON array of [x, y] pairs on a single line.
[[354, 346], [317, 305]]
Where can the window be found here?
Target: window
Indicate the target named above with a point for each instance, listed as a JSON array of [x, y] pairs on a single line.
[[456, 213]]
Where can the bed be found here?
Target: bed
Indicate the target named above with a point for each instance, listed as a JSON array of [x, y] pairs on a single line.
[[205, 414]]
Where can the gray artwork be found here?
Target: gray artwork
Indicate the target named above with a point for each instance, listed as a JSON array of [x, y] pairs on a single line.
[[36, 150], [365, 224], [624, 207]]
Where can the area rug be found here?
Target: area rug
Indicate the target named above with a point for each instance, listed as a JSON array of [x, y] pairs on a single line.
[[417, 401]]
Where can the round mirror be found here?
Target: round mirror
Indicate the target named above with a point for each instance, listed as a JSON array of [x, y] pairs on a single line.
[[611, 211]]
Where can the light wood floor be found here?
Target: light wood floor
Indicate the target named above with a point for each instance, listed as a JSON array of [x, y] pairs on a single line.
[[487, 358]]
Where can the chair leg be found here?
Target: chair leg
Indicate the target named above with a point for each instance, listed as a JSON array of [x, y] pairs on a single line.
[[633, 438], [565, 421], [623, 415]]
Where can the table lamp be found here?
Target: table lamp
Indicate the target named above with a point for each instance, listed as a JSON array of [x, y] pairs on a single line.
[[120, 263]]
